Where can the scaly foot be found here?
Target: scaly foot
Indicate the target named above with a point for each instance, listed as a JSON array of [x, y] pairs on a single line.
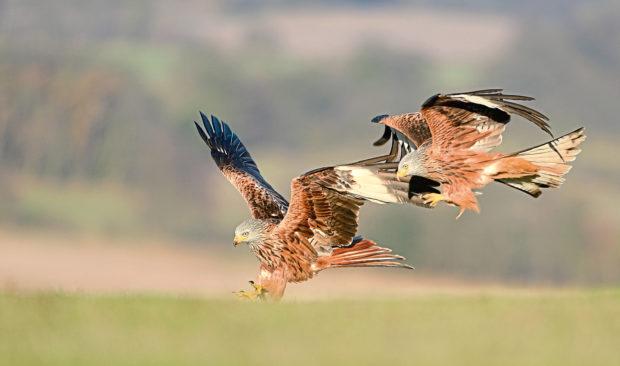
[[259, 291], [432, 199]]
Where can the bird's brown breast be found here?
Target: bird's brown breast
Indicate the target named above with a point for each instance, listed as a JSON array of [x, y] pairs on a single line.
[[275, 252]]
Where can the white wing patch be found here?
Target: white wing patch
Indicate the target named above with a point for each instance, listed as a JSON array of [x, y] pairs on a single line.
[[477, 100], [369, 185]]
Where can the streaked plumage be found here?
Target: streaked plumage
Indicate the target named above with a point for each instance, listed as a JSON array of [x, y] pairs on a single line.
[[449, 139], [486, 110], [317, 230], [237, 165]]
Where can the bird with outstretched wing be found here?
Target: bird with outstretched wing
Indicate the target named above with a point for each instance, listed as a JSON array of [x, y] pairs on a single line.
[[486, 110], [317, 230], [449, 141]]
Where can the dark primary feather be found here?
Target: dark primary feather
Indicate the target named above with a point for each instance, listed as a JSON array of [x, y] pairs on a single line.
[[503, 102], [378, 118], [387, 133], [495, 114], [475, 120], [226, 147], [235, 162]]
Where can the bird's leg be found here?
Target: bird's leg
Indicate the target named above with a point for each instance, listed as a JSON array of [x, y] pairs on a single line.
[[259, 291], [432, 199]]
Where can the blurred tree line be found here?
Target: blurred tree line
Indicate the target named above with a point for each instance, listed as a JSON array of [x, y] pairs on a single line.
[[97, 101]]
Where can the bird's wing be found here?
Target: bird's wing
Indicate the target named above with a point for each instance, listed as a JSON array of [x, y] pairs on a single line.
[[410, 130], [475, 120], [237, 165], [325, 202], [319, 212]]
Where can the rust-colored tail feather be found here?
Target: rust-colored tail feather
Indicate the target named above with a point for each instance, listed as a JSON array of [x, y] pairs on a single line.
[[551, 159], [361, 253]]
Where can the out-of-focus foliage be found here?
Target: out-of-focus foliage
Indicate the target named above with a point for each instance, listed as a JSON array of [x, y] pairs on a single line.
[[97, 101]]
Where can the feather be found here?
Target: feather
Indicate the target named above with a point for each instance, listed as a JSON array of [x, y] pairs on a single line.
[[363, 253], [551, 160], [234, 160], [387, 133]]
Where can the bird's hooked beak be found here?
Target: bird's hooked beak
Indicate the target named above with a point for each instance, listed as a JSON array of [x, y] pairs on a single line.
[[239, 239], [401, 173]]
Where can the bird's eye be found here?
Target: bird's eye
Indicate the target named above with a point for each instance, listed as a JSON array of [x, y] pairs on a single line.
[[246, 233], [405, 166]]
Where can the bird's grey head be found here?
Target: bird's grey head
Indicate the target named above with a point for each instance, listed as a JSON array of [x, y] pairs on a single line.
[[411, 164], [251, 232]]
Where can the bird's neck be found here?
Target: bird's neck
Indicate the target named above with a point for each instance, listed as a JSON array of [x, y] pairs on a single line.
[[426, 166]]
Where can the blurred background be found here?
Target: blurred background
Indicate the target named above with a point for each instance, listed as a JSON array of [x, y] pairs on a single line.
[[105, 184]]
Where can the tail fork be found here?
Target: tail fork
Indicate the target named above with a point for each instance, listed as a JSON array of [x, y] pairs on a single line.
[[361, 253], [552, 159]]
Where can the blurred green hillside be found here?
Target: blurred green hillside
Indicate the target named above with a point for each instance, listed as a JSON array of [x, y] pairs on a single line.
[[97, 101]]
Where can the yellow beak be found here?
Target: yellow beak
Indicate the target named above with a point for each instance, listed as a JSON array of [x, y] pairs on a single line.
[[401, 173], [238, 239]]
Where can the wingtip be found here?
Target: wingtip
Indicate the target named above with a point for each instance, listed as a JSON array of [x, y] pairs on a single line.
[[202, 134], [387, 134], [431, 100], [204, 118], [379, 118], [545, 127], [217, 125], [197, 126]]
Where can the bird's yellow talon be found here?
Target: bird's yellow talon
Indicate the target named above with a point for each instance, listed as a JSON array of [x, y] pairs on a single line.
[[243, 294], [259, 291], [432, 199]]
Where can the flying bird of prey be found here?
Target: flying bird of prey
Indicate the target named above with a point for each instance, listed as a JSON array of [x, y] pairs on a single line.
[[486, 110], [449, 141], [317, 230]]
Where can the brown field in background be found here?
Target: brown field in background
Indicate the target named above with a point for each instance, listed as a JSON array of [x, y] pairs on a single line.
[[317, 34], [49, 262]]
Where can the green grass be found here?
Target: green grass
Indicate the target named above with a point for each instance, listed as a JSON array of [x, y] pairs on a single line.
[[576, 328]]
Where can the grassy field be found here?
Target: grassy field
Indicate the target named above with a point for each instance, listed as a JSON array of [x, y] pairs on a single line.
[[563, 328]]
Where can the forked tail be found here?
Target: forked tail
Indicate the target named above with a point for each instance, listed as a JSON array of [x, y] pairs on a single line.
[[551, 160], [361, 253]]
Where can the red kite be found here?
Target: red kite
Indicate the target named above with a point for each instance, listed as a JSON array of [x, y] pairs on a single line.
[[318, 229], [449, 140]]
